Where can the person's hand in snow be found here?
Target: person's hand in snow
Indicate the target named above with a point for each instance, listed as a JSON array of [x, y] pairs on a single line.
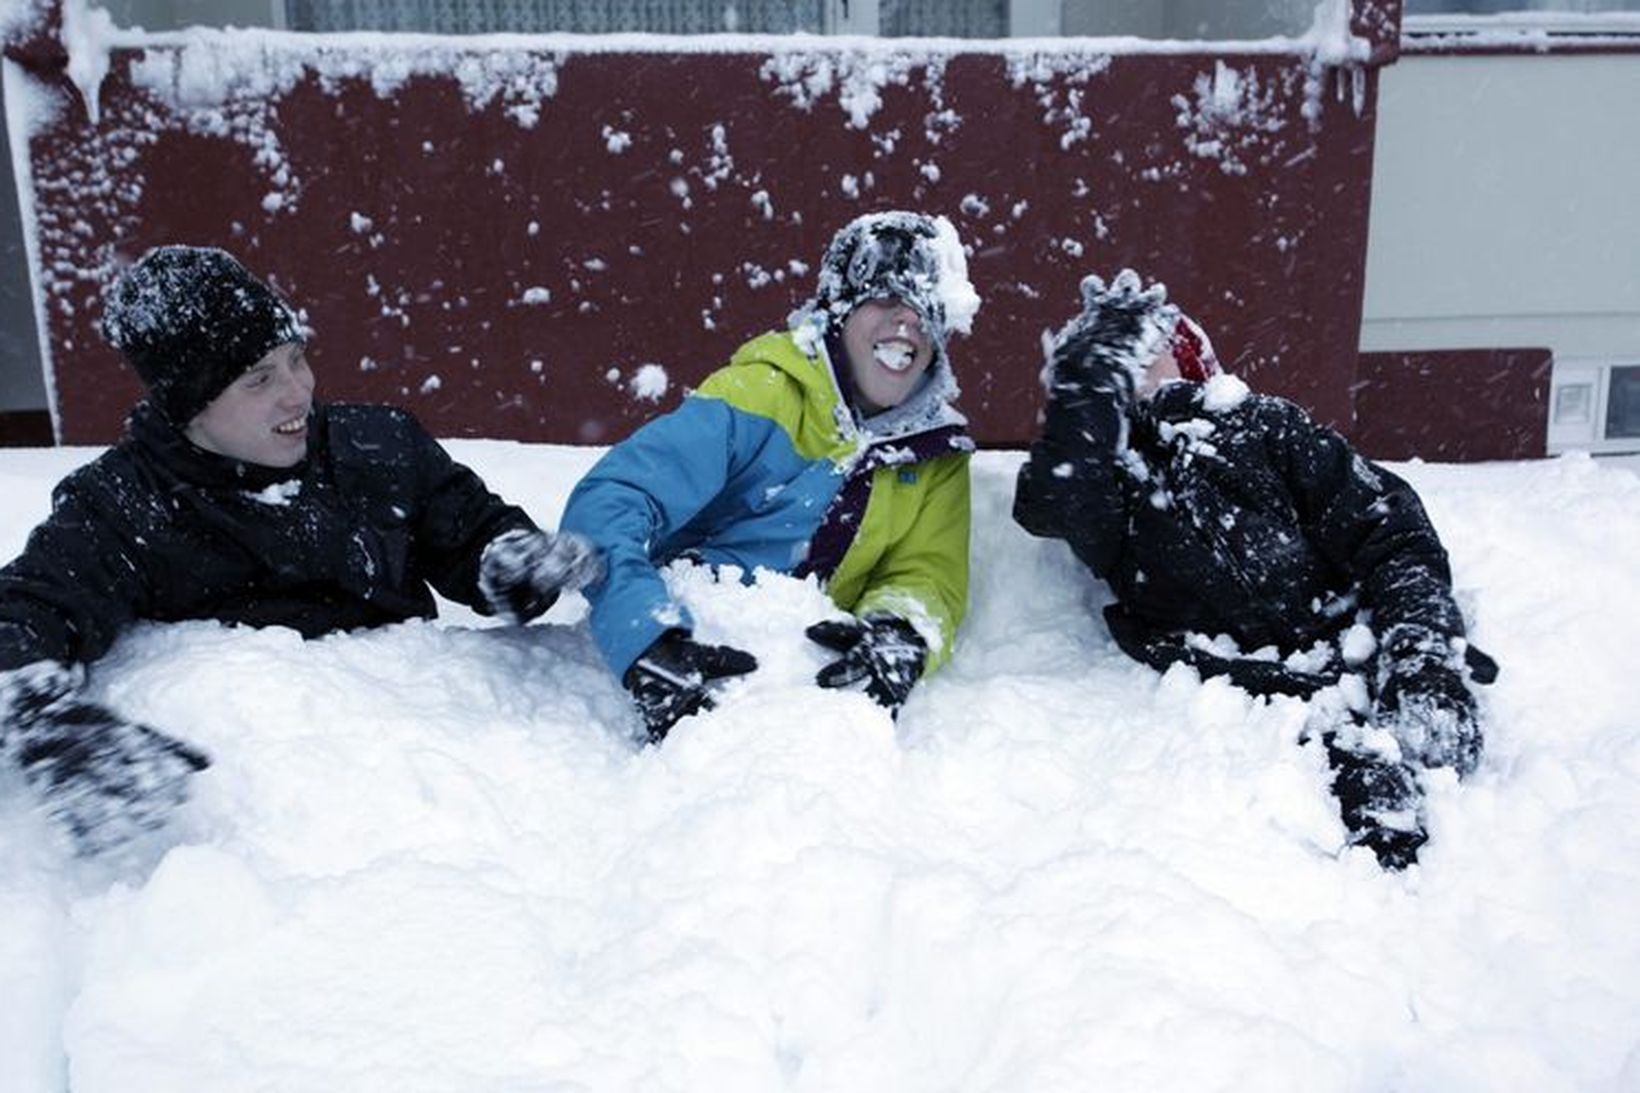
[[522, 571], [104, 779], [1424, 701], [884, 652], [676, 676], [1105, 350]]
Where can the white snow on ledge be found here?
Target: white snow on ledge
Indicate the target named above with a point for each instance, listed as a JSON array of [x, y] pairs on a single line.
[[212, 64], [1540, 30], [756, 44]]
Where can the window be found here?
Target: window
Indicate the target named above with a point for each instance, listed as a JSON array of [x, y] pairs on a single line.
[[577, 16], [1501, 7], [1189, 19], [1623, 403], [925, 18], [943, 18], [1594, 406]]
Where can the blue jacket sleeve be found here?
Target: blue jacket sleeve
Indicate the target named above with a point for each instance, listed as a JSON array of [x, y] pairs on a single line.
[[636, 498]]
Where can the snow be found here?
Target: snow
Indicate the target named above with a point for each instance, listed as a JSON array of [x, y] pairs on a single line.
[[650, 382], [279, 494], [1231, 119], [85, 32], [222, 79], [431, 857], [1224, 392]]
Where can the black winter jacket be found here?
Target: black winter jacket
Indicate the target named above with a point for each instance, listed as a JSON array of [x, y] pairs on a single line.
[[1246, 519], [159, 529]]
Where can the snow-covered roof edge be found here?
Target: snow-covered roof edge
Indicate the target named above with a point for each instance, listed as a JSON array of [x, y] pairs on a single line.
[[89, 35], [758, 44]]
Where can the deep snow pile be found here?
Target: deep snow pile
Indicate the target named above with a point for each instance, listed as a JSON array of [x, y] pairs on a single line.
[[431, 858]]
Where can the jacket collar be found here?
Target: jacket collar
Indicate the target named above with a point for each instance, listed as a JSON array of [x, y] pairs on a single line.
[[930, 407], [153, 432]]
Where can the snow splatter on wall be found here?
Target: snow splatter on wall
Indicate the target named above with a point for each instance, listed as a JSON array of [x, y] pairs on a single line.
[[462, 210]]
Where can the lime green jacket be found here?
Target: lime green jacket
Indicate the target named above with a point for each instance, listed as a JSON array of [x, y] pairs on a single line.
[[765, 466]]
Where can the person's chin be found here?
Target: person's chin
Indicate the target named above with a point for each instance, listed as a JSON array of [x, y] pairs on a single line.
[[287, 451]]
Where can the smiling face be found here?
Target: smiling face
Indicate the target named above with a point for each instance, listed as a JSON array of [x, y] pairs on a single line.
[[262, 416], [888, 351]]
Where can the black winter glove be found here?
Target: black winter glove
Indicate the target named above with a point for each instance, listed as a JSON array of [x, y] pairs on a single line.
[[1423, 700], [104, 779], [1106, 349], [674, 676], [883, 650], [522, 571]]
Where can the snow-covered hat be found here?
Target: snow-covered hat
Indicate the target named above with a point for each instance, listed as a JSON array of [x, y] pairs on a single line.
[[191, 320], [1192, 351], [904, 255]]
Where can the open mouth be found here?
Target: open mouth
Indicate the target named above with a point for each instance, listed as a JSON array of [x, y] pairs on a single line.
[[296, 426], [893, 354]]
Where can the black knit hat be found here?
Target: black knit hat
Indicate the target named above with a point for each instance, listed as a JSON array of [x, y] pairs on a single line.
[[191, 320]]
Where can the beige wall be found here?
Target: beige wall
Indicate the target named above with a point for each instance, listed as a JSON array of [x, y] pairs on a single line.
[[1503, 205]]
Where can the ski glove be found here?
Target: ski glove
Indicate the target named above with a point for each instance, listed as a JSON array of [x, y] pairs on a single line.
[[884, 651], [1105, 350], [1424, 701], [674, 678], [522, 571], [104, 779]]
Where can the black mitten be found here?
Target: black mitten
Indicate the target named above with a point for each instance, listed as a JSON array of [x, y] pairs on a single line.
[[1381, 803], [106, 780], [884, 651], [674, 676], [522, 571], [1423, 700], [1106, 349]]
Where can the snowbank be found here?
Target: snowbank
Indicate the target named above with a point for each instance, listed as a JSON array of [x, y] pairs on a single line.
[[431, 858]]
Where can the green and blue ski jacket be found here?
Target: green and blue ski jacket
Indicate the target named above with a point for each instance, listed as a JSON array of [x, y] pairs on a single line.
[[765, 466]]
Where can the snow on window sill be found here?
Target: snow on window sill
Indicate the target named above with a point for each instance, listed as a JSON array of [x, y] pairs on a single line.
[[1522, 32]]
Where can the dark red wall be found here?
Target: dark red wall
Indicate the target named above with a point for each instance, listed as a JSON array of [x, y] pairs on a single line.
[[1264, 242], [1454, 406]]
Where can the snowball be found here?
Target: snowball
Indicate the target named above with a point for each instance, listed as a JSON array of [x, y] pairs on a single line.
[[1224, 392], [649, 383]]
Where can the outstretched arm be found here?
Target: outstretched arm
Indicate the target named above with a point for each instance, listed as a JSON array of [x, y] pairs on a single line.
[[77, 584], [1372, 525], [62, 603], [639, 495]]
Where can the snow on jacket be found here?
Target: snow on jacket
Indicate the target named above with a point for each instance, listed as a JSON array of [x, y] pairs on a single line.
[[1234, 513], [765, 466], [159, 529]]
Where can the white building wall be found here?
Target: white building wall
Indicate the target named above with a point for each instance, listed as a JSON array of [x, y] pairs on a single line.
[[1504, 207], [1504, 210]]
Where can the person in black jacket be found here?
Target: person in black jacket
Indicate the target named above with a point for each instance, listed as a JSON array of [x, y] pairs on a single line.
[[1245, 540], [234, 496]]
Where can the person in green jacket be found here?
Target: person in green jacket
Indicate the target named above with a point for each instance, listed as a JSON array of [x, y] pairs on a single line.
[[830, 448]]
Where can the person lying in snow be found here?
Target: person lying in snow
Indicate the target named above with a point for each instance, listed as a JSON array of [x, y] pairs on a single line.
[[235, 496], [1245, 540], [831, 448]]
